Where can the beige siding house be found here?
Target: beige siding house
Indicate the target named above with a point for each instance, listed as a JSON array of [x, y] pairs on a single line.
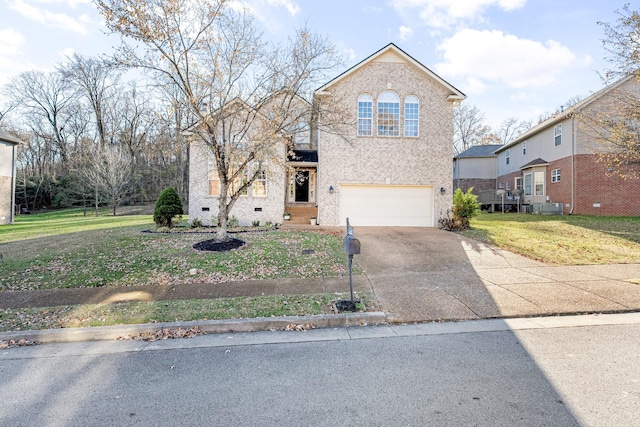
[[8, 149], [392, 169], [476, 167], [556, 162]]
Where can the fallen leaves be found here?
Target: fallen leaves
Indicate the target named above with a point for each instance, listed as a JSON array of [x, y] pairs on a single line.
[[299, 327], [163, 334], [17, 343]]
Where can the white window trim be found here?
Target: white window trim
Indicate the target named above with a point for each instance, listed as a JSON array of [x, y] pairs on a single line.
[[365, 97], [266, 185], [557, 133], [524, 184], [412, 100], [524, 148], [556, 175], [507, 156], [535, 183], [388, 97]]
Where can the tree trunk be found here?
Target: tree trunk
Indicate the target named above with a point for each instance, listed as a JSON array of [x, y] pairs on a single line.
[[221, 233]]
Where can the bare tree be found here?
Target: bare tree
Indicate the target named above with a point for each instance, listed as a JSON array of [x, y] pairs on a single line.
[[110, 172], [44, 99], [512, 128], [614, 124], [247, 97], [96, 80], [622, 43], [468, 128]]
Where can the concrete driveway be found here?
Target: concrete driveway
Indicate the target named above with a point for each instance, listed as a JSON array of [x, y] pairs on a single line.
[[427, 274]]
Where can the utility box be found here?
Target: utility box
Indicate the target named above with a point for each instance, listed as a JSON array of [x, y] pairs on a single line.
[[351, 245]]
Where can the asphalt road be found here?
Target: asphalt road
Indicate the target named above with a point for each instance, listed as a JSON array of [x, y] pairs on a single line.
[[570, 371]]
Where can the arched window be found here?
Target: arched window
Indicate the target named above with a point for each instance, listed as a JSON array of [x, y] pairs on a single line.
[[388, 114], [365, 115], [411, 115]]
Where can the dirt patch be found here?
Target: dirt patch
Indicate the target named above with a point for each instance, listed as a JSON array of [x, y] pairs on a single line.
[[215, 245]]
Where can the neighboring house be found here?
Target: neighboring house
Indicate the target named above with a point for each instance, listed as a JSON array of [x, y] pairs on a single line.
[[476, 167], [392, 169], [556, 162], [8, 153]]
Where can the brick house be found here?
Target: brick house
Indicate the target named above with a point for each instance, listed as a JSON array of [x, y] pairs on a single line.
[[8, 149], [476, 167], [556, 162], [393, 169]]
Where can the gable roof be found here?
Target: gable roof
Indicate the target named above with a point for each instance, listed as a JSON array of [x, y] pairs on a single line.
[[455, 95], [535, 162], [479, 151], [7, 137], [569, 112]]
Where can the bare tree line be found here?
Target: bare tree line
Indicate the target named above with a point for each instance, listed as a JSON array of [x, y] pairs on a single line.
[[92, 138]]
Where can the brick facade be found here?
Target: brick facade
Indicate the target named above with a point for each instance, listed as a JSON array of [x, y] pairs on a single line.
[[478, 184], [423, 160], [595, 186], [247, 208]]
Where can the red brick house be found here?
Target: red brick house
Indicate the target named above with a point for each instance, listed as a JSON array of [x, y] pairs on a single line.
[[557, 162]]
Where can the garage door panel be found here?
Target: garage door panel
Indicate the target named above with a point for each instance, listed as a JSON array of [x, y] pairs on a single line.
[[386, 205]]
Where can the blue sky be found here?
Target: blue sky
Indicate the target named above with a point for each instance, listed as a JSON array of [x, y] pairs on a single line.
[[512, 58]]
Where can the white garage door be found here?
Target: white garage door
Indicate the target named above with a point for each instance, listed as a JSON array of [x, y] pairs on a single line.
[[386, 205]]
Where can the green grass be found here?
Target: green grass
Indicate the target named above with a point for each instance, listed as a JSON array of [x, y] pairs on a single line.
[[66, 221], [67, 250], [170, 311], [563, 240]]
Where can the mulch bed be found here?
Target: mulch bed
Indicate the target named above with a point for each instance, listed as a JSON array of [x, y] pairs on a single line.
[[215, 245]]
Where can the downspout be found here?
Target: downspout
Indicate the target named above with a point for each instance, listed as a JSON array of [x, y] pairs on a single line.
[[573, 160], [13, 183]]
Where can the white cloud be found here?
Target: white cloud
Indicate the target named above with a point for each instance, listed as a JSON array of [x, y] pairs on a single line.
[[70, 3], [48, 18], [445, 13], [11, 42], [404, 32], [11, 55], [495, 57], [291, 6]]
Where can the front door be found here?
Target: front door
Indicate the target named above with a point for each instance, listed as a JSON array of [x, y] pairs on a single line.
[[302, 186]]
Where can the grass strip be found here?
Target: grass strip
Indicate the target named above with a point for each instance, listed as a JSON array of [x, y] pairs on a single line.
[[172, 311]]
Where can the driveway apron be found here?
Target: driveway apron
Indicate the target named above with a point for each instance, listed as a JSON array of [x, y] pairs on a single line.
[[421, 274]]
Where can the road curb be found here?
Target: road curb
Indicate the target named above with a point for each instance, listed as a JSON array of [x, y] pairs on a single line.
[[105, 333]]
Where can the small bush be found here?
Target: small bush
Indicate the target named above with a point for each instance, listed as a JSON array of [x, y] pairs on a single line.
[[196, 223], [233, 222], [168, 207], [255, 223], [465, 207]]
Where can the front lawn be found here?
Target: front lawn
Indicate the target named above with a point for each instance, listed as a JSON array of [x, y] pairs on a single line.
[[66, 249], [563, 240], [69, 251]]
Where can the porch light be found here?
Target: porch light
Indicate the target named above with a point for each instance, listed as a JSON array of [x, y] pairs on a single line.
[[331, 189], [442, 190]]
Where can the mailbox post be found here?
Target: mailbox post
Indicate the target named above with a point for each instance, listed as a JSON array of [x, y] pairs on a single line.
[[351, 247]]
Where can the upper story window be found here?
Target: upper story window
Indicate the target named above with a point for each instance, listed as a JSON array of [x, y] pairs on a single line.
[[411, 114], [388, 114], [303, 134], [524, 148], [507, 156], [557, 133], [555, 175], [365, 115]]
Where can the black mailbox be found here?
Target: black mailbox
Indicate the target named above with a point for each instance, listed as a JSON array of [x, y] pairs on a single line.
[[351, 245]]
